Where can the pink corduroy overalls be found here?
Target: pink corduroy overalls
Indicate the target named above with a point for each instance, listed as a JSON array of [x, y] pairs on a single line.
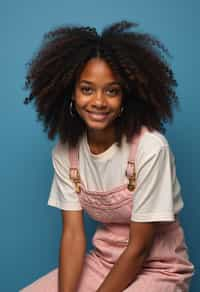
[[166, 269]]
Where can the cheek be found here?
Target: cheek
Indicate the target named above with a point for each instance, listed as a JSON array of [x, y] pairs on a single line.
[[116, 105], [78, 107], [80, 101]]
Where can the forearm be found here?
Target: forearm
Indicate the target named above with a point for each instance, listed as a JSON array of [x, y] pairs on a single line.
[[123, 272], [71, 258]]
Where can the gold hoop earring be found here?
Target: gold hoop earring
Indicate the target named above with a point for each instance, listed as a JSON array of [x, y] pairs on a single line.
[[71, 109], [121, 111]]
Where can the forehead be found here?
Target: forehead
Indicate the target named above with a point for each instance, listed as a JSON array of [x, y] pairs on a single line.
[[96, 70]]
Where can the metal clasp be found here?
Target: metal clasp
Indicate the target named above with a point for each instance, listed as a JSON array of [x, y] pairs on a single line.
[[75, 177], [132, 178]]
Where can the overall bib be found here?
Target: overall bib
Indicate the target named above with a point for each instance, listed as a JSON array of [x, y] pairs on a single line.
[[167, 267]]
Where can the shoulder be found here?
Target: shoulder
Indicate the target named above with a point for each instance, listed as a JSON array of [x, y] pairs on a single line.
[[60, 153], [154, 140], [152, 144]]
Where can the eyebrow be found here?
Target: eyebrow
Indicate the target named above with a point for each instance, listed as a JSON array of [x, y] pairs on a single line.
[[109, 83]]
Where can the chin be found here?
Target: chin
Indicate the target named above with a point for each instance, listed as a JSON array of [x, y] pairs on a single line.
[[97, 126]]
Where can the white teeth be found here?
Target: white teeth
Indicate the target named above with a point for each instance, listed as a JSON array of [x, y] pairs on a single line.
[[98, 113]]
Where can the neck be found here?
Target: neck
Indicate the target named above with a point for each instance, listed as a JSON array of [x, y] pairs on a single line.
[[99, 141]]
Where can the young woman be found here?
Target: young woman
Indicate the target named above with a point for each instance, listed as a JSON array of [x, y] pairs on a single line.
[[107, 97]]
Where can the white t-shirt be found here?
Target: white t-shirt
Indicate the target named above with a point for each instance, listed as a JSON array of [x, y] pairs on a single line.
[[157, 196]]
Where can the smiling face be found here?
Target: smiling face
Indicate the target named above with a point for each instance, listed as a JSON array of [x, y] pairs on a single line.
[[98, 96]]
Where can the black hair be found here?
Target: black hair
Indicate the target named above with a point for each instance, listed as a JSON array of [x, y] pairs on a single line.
[[138, 58]]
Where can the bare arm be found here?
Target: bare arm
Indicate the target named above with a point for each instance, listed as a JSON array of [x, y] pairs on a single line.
[[72, 250]]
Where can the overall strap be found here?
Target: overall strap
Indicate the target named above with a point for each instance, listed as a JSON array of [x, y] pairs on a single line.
[[130, 171], [73, 157], [74, 167]]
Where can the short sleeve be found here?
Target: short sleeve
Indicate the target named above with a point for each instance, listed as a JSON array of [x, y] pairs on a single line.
[[62, 194], [153, 196]]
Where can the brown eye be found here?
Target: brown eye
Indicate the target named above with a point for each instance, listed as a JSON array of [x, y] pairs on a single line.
[[86, 90], [113, 91]]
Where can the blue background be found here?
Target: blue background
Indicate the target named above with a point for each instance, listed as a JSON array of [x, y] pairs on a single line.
[[30, 230]]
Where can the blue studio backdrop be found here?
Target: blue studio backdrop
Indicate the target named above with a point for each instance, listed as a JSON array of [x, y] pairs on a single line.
[[30, 230]]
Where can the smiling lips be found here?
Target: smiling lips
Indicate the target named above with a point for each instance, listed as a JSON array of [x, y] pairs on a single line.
[[98, 116]]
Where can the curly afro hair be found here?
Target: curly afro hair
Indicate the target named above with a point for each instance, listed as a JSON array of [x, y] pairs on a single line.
[[138, 58]]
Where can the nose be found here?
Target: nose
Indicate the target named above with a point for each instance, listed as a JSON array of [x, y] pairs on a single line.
[[99, 100]]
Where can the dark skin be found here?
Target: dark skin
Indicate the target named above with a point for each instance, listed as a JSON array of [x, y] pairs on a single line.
[[138, 57], [98, 100]]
